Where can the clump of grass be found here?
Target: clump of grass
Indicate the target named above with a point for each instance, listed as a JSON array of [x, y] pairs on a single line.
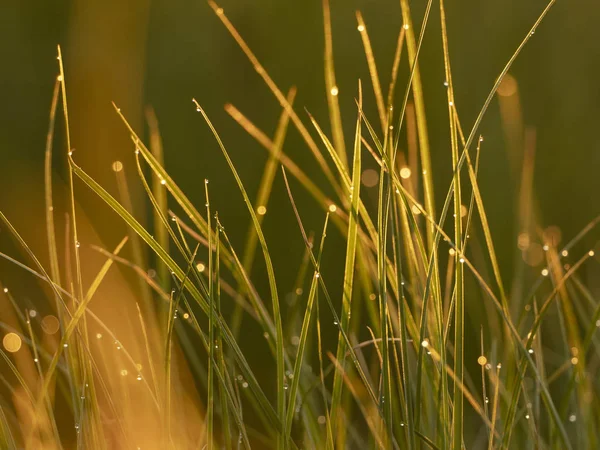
[[396, 377]]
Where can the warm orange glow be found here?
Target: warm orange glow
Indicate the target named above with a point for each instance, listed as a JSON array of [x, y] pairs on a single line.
[[508, 87]]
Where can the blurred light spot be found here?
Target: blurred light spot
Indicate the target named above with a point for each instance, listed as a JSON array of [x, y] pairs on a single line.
[[124, 372], [11, 342], [523, 241], [370, 177], [574, 360], [508, 86], [361, 28], [98, 335], [405, 172], [416, 210], [186, 316], [322, 420], [200, 267], [565, 253], [33, 313], [117, 166], [545, 272], [332, 208], [334, 91], [463, 210], [533, 255], [261, 210], [482, 360], [50, 324]]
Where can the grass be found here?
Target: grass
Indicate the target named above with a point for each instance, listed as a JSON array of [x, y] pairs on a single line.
[[399, 374]]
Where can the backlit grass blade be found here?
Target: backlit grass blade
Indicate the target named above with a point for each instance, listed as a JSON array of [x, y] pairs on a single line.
[[50, 230], [332, 90], [280, 355], [160, 194], [303, 338], [354, 199], [381, 109]]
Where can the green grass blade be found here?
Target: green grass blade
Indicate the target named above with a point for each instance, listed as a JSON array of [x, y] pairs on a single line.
[[280, 355], [354, 199]]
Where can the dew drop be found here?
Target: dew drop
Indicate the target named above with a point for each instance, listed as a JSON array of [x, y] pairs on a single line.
[[572, 418], [361, 28], [77, 244]]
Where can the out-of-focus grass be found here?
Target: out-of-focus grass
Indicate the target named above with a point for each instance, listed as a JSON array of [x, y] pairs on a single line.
[[418, 291]]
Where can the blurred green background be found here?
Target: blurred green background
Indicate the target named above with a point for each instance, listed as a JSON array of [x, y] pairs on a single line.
[[162, 53]]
